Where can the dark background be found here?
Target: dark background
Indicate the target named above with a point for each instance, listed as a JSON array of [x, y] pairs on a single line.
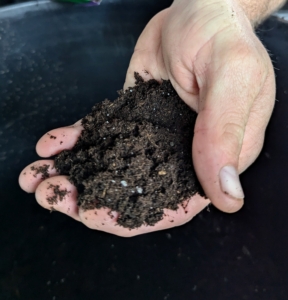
[[54, 65], [7, 2]]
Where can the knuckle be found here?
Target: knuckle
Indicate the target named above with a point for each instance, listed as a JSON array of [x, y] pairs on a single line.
[[232, 137], [251, 64]]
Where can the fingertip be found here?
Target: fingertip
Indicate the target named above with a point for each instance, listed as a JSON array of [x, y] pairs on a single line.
[[32, 175], [229, 204], [57, 140], [22, 181], [58, 194]]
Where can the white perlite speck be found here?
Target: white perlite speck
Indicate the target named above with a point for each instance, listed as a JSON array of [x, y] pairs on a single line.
[[124, 183], [139, 190]]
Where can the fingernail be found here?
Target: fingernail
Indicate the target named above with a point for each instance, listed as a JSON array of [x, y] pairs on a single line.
[[230, 183]]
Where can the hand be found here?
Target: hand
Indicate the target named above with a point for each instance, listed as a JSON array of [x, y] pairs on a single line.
[[100, 219], [211, 58], [218, 66]]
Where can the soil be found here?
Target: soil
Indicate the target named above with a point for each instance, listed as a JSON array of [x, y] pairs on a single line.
[[41, 170], [58, 194], [134, 155]]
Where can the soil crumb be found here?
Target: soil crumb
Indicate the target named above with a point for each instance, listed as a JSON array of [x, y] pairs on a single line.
[[59, 194], [41, 170], [52, 136], [134, 155]]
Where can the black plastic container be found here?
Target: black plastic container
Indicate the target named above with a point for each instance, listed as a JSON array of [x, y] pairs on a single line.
[[55, 63]]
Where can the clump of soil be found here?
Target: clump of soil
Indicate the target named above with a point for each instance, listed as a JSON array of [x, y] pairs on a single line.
[[134, 155], [58, 194], [41, 170]]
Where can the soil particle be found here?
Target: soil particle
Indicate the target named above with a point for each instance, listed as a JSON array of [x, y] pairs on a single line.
[[52, 136], [41, 170], [134, 155]]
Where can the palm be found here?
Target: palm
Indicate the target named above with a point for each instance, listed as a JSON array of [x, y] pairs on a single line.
[[96, 219]]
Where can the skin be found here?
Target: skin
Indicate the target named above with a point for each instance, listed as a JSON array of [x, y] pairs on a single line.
[[209, 51]]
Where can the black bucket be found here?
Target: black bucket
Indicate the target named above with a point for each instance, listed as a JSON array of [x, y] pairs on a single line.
[[56, 62]]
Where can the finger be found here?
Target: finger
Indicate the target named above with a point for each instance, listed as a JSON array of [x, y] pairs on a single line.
[[58, 140], [35, 173], [260, 113], [58, 194], [226, 98], [105, 220], [147, 58]]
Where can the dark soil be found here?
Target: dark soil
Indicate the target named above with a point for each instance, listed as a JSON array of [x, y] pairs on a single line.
[[134, 155], [59, 194], [41, 170]]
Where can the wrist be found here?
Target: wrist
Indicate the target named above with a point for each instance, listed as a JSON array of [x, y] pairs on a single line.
[[258, 10], [255, 10], [230, 12]]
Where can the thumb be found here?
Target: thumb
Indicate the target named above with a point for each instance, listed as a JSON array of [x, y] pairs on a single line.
[[226, 98]]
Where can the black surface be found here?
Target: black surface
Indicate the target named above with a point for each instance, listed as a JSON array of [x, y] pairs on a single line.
[[54, 65]]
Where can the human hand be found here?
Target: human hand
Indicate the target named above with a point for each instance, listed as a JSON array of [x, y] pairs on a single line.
[[226, 133], [218, 66], [103, 219]]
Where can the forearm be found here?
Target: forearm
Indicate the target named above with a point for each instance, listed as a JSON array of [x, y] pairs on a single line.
[[255, 10], [258, 10]]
